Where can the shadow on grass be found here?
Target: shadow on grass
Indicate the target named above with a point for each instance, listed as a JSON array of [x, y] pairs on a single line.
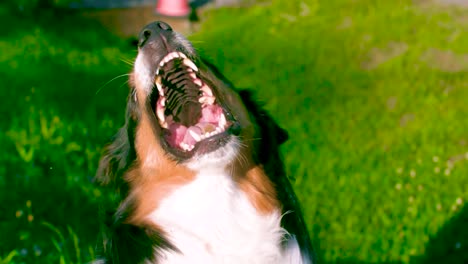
[[450, 245]]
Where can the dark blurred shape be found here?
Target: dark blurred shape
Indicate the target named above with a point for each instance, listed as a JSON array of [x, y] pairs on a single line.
[[105, 4], [194, 5], [450, 245], [198, 3]]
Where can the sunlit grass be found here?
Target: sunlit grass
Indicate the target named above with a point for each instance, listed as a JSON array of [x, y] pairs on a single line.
[[373, 94]]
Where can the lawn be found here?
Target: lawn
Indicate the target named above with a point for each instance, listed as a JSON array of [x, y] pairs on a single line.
[[374, 95]]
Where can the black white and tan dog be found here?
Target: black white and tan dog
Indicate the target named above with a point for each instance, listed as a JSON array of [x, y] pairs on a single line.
[[196, 168]]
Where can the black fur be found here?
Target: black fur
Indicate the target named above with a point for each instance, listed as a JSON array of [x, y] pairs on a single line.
[[272, 136]]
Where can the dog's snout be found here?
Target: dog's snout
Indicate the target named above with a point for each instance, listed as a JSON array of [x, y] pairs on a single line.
[[153, 31]]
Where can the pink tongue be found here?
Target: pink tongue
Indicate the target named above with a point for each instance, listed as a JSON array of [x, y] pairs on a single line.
[[211, 114], [177, 134], [189, 139], [209, 120], [180, 134]]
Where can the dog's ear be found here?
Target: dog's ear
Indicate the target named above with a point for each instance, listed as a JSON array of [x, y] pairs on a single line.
[[272, 134], [118, 155]]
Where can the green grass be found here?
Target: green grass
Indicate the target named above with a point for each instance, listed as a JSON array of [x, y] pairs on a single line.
[[373, 93]]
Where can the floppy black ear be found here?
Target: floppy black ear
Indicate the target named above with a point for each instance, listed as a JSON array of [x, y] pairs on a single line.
[[270, 129], [118, 155]]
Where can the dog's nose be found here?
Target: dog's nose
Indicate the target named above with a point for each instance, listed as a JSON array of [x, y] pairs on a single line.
[[151, 31]]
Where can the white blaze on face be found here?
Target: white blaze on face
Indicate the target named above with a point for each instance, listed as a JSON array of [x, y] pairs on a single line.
[[143, 76]]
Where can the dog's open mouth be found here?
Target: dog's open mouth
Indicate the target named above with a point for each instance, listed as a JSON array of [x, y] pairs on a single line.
[[185, 106]]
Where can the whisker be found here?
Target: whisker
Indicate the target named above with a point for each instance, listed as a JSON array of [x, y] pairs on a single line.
[[252, 139], [104, 85], [127, 61]]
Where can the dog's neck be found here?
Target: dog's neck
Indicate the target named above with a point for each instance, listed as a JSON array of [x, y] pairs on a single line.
[[211, 218]]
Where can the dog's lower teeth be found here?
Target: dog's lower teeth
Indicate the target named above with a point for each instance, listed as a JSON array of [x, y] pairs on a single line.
[[186, 147], [222, 121], [194, 135]]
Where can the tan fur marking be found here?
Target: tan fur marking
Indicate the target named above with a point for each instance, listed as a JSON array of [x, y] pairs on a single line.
[[155, 175], [260, 190]]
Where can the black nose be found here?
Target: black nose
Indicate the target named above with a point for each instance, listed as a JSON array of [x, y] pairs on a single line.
[[151, 31]]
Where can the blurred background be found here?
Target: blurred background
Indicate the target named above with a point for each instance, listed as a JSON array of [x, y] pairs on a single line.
[[374, 95]]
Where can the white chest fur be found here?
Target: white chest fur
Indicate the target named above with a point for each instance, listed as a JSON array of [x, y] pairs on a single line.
[[211, 221]]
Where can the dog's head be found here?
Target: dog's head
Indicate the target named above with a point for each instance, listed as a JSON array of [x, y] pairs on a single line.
[[193, 112], [183, 113]]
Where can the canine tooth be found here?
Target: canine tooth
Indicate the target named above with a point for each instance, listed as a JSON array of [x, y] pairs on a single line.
[[160, 113], [222, 121], [181, 55], [190, 64], [198, 82], [163, 101], [193, 75], [206, 100], [206, 90]]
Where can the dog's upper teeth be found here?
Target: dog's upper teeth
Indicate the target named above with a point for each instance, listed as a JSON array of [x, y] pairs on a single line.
[[159, 85], [206, 90], [160, 111], [186, 146], [198, 82], [170, 57], [207, 100], [190, 64], [165, 60], [181, 55]]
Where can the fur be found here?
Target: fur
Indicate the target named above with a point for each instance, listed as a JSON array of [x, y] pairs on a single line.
[[233, 204]]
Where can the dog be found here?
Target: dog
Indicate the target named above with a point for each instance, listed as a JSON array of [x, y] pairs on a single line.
[[195, 170]]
